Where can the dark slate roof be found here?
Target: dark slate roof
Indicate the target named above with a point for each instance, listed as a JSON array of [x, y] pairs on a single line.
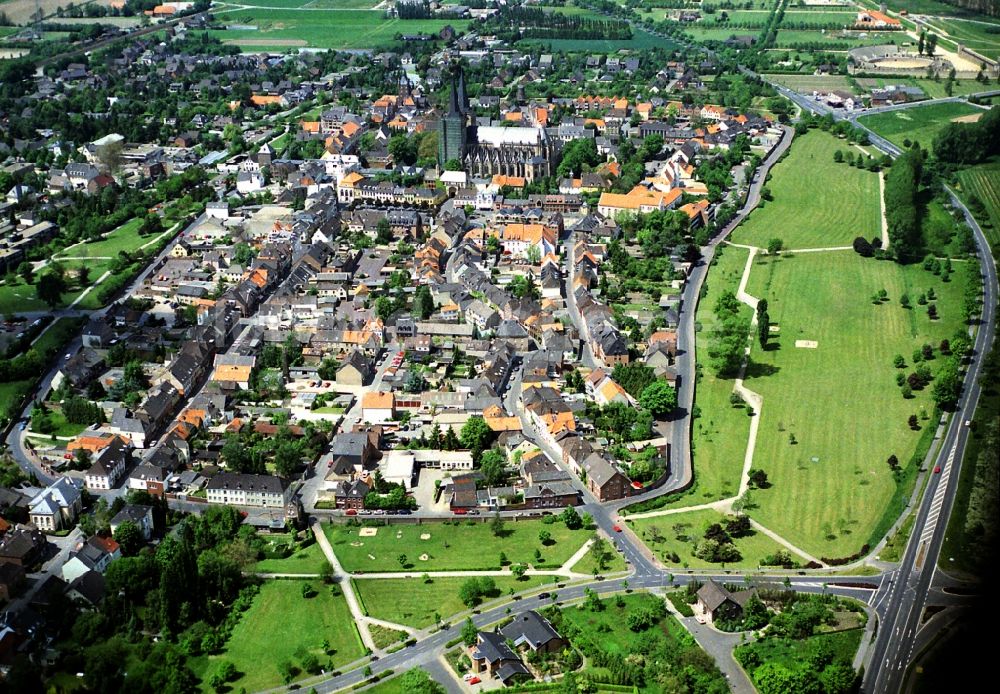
[[235, 480], [531, 629], [493, 648]]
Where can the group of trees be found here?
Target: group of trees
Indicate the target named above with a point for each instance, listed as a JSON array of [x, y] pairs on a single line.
[[521, 22], [728, 338], [820, 669], [717, 546], [969, 143], [623, 422], [902, 204], [190, 591], [474, 590]]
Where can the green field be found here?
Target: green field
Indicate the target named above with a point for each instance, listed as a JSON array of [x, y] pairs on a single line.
[[984, 181], [587, 565], [719, 436], [934, 89], [789, 37], [124, 238], [278, 627], [680, 532], [641, 40], [453, 547], [672, 657], [411, 602], [308, 560], [291, 28], [817, 203], [975, 35], [839, 400], [793, 654], [918, 124], [810, 83]]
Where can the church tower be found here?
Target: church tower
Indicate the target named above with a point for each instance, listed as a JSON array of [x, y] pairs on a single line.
[[453, 127]]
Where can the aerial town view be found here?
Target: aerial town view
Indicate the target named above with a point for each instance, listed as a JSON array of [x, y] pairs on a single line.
[[448, 346]]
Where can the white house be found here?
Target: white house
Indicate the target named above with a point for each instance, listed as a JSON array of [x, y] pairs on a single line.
[[378, 407]]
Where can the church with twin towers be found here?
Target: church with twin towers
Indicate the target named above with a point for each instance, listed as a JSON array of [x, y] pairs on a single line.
[[486, 150]]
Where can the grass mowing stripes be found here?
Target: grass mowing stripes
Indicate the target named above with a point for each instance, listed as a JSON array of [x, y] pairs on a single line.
[[917, 124], [831, 488], [817, 203]]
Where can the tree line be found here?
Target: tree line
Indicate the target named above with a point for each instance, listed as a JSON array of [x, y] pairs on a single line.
[[902, 205], [969, 143]]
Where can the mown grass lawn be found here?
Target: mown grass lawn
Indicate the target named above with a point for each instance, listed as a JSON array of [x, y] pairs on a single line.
[[453, 546], [587, 565], [124, 238], [411, 602], [680, 532], [280, 623], [817, 202], [840, 400], [918, 124]]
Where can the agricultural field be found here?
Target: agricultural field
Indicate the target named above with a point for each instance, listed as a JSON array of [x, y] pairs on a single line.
[[640, 40], [788, 38], [984, 181], [679, 533], [917, 124], [286, 626], [452, 546], [827, 497], [810, 83], [810, 192], [976, 35], [291, 28], [716, 33], [413, 603]]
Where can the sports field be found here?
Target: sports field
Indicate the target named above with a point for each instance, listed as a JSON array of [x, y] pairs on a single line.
[[817, 203], [452, 546], [292, 27], [918, 124], [839, 400], [984, 181], [283, 625]]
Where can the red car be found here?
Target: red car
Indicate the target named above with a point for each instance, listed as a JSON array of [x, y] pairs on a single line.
[[474, 680], [351, 512], [616, 528], [937, 470]]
